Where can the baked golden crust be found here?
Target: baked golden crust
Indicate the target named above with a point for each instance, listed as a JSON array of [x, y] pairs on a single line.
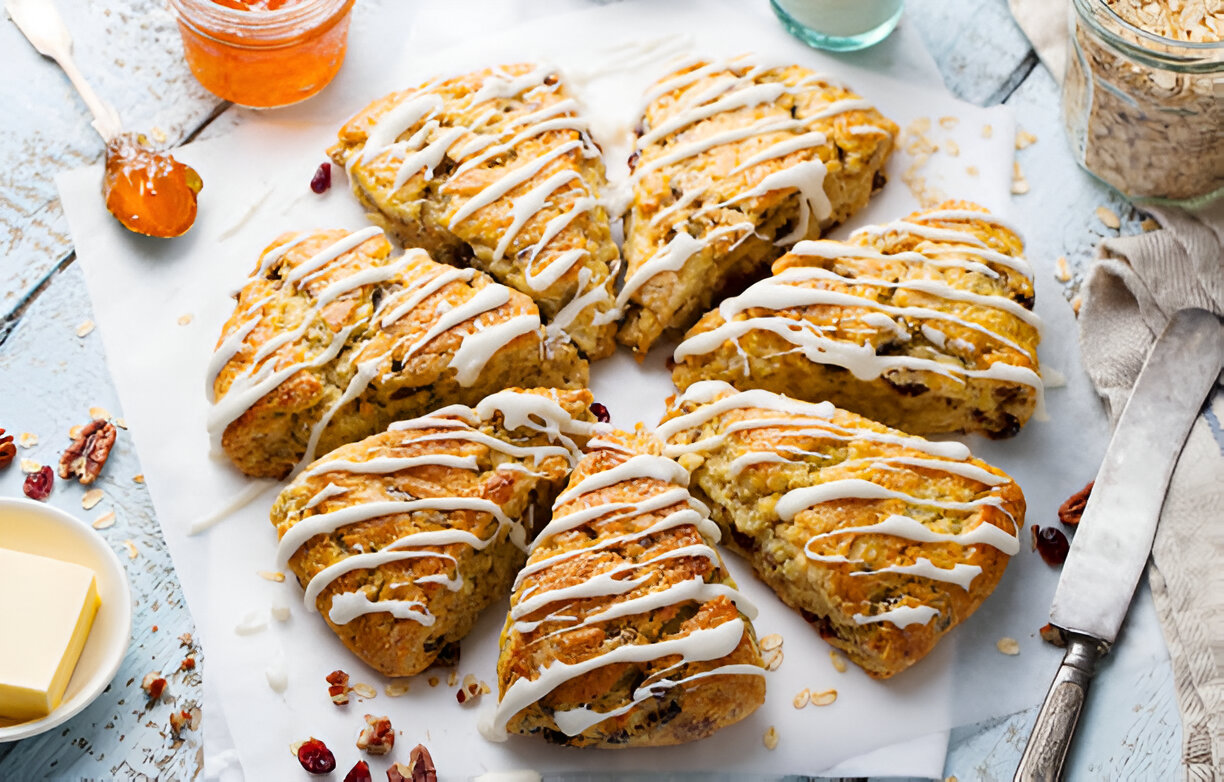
[[736, 159], [625, 609], [495, 169], [332, 339], [924, 324], [475, 475], [882, 540]]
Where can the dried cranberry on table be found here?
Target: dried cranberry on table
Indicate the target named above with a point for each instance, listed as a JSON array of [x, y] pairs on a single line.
[[7, 449], [359, 773], [321, 181], [315, 757], [38, 485], [601, 413], [1051, 544]]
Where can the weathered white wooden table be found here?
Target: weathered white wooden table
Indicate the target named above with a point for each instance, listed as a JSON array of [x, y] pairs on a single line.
[[52, 372]]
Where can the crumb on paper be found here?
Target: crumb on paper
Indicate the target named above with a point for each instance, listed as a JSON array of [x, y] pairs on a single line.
[[1024, 139], [364, 690], [825, 698], [1063, 271], [397, 687], [952, 148], [253, 622], [972, 170], [280, 612], [1076, 303], [277, 676], [27, 440], [138, 478], [433, 681], [271, 575], [91, 498], [1108, 217], [85, 328], [771, 738], [1149, 224], [1008, 645], [185, 319], [987, 131], [839, 662], [99, 414], [105, 521], [30, 465], [802, 698], [1020, 184], [947, 123]]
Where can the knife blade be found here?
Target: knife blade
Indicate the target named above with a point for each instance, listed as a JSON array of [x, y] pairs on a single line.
[[1114, 537]]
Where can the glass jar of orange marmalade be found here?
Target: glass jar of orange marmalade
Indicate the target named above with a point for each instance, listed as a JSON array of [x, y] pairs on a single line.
[[263, 53]]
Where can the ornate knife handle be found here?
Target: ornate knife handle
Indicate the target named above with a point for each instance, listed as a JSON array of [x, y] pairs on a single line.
[[1051, 737]]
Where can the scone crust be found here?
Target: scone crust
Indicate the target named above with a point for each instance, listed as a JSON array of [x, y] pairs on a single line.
[[831, 576], [673, 715], [983, 373], [364, 347], [473, 131], [703, 196], [406, 646]]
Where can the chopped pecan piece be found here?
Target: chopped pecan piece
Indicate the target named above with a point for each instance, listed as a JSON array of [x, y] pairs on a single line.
[[338, 689], [470, 691], [377, 737], [1052, 635], [1072, 510], [88, 452], [182, 720], [153, 685], [421, 765], [8, 451]]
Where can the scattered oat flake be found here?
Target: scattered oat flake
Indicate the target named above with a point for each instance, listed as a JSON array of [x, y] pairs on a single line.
[[271, 575], [138, 478], [1064, 272], [839, 662], [987, 131], [802, 698], [824, 698], [99, 414], [1149, 224], [364, 690], [452, 678], [121, 423], [1008, 646], [1076, 303], [132, 551], [951, 779], [184, 319], [951, 147], [30, 465], [771, 642], [1108, 217], [27, 440], [1024, 139], [771, 738], [105, 521], [91, 498], [84, 329], [948, 122], [773, 660], [971, 170], [75, 432], [1019, 186], [394, 689]]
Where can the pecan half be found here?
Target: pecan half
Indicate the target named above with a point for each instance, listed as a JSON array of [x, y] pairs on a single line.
[[8, 451], [1069, 512], [377, 737], [88, 452]]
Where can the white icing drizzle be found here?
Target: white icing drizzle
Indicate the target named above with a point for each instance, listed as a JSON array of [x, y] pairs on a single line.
[[912, 529], [326, 493], [673, 255], [797, 500], [699, 646], [960, 573], [477, 348], [901, 616]]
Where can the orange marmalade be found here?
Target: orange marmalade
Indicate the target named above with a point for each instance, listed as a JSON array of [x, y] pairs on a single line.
[[263, 53]]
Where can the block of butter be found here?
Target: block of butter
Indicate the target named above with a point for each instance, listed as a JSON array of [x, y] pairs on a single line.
[[47, 608]]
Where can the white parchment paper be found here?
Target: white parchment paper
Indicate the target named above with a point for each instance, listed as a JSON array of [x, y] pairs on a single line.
[[256, 186]]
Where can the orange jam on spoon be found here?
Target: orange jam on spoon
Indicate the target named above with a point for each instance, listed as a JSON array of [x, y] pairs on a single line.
[[149, 192], [263, 53]]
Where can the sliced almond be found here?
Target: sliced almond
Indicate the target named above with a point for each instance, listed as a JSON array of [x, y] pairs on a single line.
[[91, 498], [27, 440], [105, 521], [99, 414]]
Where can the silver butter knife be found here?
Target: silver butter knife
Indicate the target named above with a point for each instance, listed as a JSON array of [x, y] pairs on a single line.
[[1114, 536]]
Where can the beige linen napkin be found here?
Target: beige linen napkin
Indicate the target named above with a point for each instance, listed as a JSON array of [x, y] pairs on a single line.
[[1132, 289]]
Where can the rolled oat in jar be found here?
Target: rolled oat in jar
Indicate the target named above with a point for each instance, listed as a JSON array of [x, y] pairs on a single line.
[[1143, 97]]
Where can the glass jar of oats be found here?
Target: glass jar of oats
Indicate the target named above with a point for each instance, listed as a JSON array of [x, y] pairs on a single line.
[[1143, 98]]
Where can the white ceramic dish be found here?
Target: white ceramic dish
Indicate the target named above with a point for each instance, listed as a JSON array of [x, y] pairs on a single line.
[[39, 528]]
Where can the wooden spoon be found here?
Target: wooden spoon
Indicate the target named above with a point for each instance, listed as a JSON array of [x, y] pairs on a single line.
[[148, 192]]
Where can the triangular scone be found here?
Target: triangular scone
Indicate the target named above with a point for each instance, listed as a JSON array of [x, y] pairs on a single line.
[[625, 629], [333, 338], [924, 324], [882, 540], [400, 540], [495, 169], [735, 161]]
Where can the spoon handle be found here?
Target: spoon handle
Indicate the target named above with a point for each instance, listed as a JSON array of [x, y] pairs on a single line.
[[42, 25]]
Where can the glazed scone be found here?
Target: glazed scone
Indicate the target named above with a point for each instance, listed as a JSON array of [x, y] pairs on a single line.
[[332, 338], [495, 169], [924, 324], [400, 540], [882, 540], [624, 628], [736, 160]]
